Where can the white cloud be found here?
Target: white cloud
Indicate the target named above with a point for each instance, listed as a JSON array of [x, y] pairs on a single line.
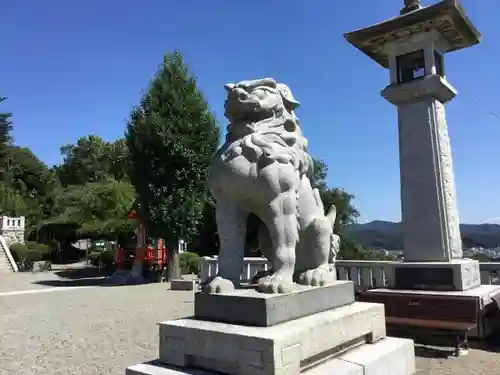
[[493, 220]]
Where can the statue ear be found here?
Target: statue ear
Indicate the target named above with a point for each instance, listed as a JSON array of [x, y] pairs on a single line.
[[288, 100]]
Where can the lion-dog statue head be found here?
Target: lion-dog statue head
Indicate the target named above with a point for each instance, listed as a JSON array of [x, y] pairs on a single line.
[[263, 124]]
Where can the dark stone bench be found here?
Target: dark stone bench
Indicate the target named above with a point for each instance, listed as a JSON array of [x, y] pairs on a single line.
[[450, 315]]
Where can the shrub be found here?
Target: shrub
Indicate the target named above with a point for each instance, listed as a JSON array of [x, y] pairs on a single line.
[[34, 255], [44, 251], [54, 245], [55, 250], [18, 251], [107, 257], [104, 258], [94, 258], [190, 263], [31, 244]]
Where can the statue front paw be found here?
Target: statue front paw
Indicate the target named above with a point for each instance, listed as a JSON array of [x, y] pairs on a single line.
[[320, 276], [218, 285], [256, 279], [275, 284]]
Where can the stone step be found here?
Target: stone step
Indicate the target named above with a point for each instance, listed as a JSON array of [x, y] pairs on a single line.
[[5, 264], [389, 356]]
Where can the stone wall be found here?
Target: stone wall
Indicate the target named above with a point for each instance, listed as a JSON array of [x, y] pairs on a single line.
[[12, 237], [12, 229]]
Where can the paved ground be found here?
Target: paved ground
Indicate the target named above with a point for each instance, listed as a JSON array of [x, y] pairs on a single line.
[[101, 330]]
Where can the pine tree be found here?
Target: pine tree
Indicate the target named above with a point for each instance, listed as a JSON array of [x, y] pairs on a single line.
[[5, 142], [171, 137]]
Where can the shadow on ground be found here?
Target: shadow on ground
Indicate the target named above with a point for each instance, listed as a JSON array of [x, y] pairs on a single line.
[[491, 344], [83, 276], [429, 352], [82, 273], [91, 276], [101, 281]]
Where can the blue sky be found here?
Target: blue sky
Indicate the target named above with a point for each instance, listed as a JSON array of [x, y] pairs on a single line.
[[73, 68]]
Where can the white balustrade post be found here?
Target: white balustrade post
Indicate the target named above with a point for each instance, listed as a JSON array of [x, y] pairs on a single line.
[[204, 269]]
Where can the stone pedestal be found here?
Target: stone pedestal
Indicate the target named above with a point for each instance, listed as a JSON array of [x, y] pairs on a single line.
[[289, 334], [263, 310], [388, 356], [457, 275], [181, 284]]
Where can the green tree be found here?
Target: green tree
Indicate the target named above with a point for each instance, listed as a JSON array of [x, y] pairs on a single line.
[[28, 188], [34, 182], [343, 201], [96, 209], [117, 152], [92, 159], [171, 137], [5, 141], [11, 202], [320, 170], [346, 214]]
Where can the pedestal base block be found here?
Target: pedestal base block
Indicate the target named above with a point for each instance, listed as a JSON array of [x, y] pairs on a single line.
[[181, 284], [264, 310], [389, 356], [457, 275]]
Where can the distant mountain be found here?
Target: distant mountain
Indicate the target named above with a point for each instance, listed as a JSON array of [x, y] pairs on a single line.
[[388, 235]]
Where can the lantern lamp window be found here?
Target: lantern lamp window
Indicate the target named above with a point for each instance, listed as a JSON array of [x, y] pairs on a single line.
[[410, 66]]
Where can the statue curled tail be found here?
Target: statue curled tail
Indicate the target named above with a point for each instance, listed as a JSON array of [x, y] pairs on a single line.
[[331, 216]]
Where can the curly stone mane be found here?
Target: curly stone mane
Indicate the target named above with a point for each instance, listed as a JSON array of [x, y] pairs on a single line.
[[264, 127]]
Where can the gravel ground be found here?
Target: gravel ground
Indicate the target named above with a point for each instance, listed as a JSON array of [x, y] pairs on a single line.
[[102, 330], [438, 362], [62, 275]]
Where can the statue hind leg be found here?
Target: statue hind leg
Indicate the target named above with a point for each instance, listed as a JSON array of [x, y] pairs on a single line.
[[317, 240], [231, 225], [281, 221], [266, 248]]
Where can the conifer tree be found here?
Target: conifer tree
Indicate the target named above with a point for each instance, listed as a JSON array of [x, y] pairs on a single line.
[[5, 143], [171, 137]]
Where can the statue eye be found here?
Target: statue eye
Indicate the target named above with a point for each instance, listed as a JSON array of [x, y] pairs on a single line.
[[259, 93]]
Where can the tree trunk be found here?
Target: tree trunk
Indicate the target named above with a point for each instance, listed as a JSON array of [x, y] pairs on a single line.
[[174, 269], [140, 251], [137, 265]]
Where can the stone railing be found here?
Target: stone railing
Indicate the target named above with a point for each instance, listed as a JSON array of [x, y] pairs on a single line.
[[364, 273], [210, 267], [12, 223], [490, 273]]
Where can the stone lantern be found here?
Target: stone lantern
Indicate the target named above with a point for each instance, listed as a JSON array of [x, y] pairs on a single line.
[[413, 46]]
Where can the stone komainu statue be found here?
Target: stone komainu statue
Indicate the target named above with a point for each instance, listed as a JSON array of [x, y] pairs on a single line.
[[264, 168]]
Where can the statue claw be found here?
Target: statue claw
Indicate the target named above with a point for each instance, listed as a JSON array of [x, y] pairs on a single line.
[[275, 284], [320, 276], [218, 285]]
